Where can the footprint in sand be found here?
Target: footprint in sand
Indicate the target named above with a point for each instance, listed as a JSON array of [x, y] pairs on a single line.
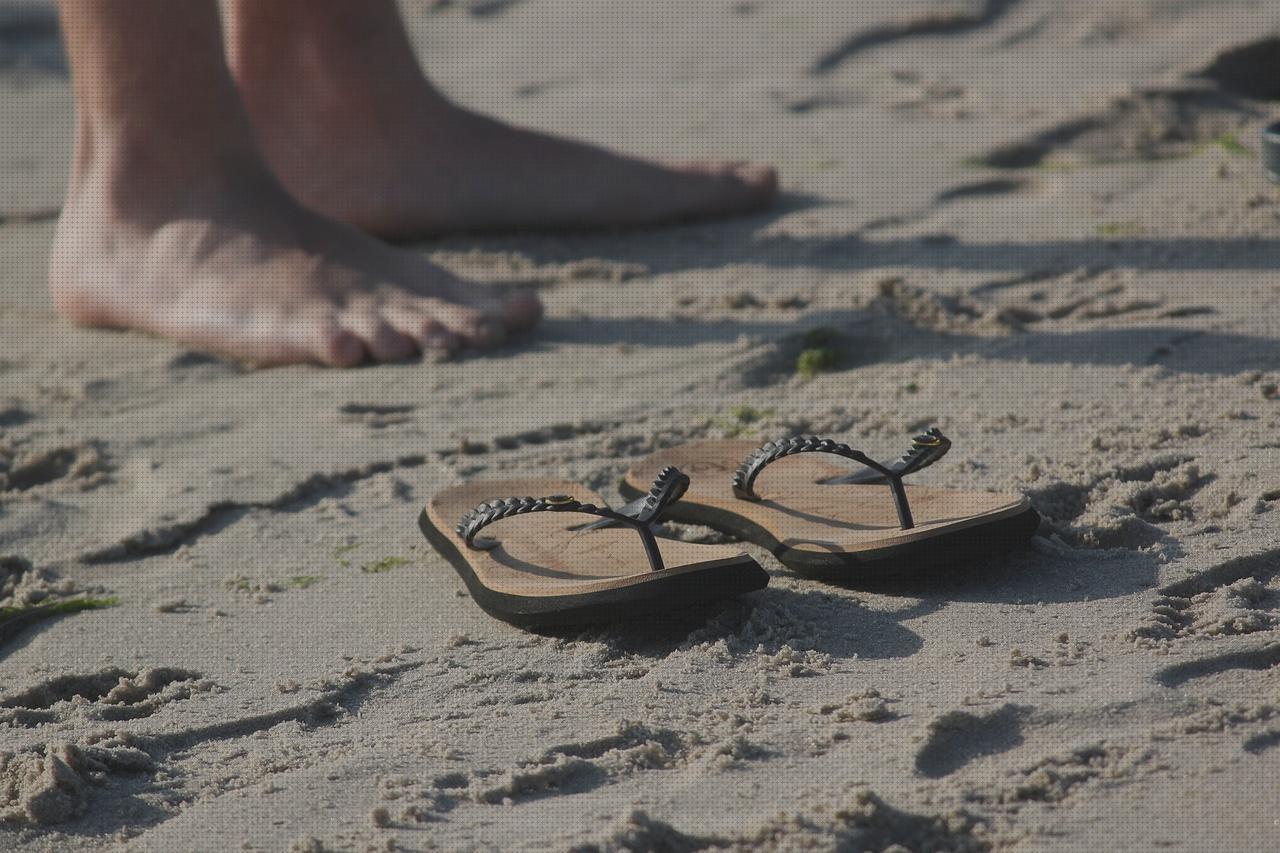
[[959, 737], [931, 23], [1240, 596], [1122, 506], [77, 467], [1259, 659], [111, 694], [377, 415], [1184, 120]]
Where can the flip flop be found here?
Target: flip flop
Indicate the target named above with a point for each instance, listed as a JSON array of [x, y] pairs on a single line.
[[544, 568], [820, 520], [1271, 150]]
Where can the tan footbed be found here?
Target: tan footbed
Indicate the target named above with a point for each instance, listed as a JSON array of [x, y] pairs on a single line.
[[540, 555], [803, 514]]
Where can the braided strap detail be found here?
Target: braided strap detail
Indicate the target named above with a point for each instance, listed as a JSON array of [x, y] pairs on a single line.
[[669, 487], [497, 510], [745, 477], [925, 450]]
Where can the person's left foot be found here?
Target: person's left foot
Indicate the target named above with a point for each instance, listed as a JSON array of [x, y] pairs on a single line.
[[376, 147]]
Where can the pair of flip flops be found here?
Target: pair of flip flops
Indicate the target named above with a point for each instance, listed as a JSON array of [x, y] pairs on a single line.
[[548, 565]]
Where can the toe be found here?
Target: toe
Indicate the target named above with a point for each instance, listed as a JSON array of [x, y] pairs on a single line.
[[761, 180], [734, 186], [381, 340], [478, 305], [423, 329], [521, 312], [475, 327], [332, 345]]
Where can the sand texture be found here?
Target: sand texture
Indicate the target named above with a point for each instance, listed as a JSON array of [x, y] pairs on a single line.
[[1041, 226]]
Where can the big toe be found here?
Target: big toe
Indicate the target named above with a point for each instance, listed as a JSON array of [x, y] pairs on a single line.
[[734, 186], [328, 343], [521, 312], [480, 327], [759, 179], [484, 314]]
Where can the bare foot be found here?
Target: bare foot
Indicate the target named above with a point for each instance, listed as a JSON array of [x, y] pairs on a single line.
[[232, 264], [443, 169], [354, 131]]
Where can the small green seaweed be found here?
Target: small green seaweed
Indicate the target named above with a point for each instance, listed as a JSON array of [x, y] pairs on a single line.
[[740, 420], [823, 352], [1056, 164], [811, 362], [240, 583], [341, 551], [386, 564], [15, 619], [1228, 142], [749, 414], [1119, 229]]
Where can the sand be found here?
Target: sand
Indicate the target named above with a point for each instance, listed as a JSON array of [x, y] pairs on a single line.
[[1040, 226]]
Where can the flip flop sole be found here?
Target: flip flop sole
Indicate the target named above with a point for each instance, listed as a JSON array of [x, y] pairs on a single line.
[[690, 588]]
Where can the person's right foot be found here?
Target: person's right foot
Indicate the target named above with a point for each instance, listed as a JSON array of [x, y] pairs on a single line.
[[235, 266]]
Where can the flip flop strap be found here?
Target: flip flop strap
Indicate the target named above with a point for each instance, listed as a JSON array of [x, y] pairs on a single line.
[[925, 450], [669, 487]]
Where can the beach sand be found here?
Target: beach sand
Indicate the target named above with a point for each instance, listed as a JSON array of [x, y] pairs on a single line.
[[1041, 226]]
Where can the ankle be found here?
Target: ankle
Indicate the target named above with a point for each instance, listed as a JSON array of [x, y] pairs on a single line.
[[345, 69], [331, 45], [145, 172]]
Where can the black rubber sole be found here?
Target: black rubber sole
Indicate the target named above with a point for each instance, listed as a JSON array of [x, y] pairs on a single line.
[[1271, 151], [935, 558], [678, 591]]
